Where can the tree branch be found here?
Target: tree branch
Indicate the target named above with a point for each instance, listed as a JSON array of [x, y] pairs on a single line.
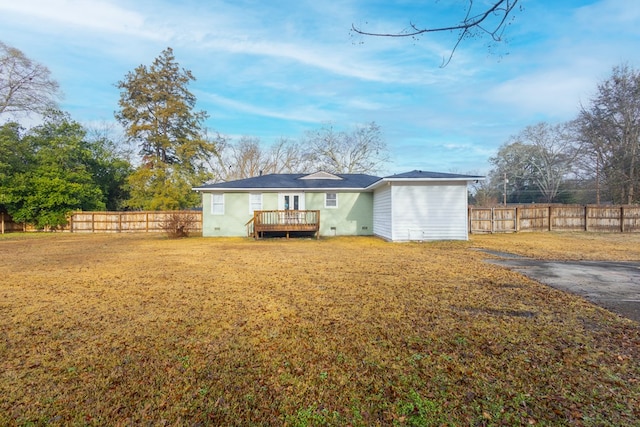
[[503, 8]]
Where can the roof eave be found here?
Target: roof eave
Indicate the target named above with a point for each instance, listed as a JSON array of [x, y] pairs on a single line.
[[384, 181], [277, 189]]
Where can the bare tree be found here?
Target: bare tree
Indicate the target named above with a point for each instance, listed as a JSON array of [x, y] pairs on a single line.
[[554, 153], [610, 134], [25, 85], [288, 156], [512, 175], [224, 164], [491, 19], [359, 151], [247, 158], [484, 194], [109, 132], [535, 163]]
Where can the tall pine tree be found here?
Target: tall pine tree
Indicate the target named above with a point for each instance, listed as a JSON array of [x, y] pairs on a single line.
[[157, 112]]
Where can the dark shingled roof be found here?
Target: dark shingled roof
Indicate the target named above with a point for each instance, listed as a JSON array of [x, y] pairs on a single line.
[[294, 181], [416, 174], [301, 181]]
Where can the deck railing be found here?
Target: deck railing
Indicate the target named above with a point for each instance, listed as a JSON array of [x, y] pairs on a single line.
[[283, 221]]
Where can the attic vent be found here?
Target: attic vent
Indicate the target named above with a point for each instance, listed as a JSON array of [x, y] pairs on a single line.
[[321, 175]]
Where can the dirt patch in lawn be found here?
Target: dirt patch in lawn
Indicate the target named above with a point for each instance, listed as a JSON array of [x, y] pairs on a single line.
[[139, 329]]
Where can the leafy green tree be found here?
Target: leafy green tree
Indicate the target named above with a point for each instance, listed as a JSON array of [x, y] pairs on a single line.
[[157, 112], [160, 188], [14, 158], [13, 153], [110, 171], [53, 170], [58, 179]]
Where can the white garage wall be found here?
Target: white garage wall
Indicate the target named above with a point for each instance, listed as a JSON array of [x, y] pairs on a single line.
[[429, 211], [382, 214]]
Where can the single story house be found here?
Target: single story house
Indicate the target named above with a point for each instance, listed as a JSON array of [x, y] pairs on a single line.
[[416, 205]]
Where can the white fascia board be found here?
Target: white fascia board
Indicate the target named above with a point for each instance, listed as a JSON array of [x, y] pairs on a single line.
[[279, 190], [384, 181]]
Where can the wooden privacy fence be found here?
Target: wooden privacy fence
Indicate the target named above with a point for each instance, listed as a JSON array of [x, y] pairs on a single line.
[[133, 221], [7, 225], [596, 218], [112, 222]]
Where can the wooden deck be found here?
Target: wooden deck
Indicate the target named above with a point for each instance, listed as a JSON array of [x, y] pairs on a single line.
[[286, 221]]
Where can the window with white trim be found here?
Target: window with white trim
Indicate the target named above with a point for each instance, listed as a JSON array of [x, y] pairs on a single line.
[[330, 200], [255, 202], [217, 204]]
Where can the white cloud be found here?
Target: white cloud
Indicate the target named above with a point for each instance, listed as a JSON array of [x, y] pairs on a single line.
[[236, 29], [302, 114], [553, 93], [96, 15], [364, 104], [614, 15], [339, 60]]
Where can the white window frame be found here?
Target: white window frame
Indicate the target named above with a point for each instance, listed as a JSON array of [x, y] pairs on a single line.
[[334, 200], [255, 202], [217, 203], [301, 200]]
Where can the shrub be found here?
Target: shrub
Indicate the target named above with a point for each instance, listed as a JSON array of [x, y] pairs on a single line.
[[179, 224]]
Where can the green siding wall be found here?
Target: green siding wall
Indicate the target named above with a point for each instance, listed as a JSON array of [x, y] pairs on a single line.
[[352, 217], [232, 223], [269, 201]]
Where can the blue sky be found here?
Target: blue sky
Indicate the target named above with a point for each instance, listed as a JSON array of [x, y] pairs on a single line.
[[272, 69]]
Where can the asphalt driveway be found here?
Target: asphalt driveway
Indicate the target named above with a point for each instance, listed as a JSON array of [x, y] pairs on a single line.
[[609, 284]]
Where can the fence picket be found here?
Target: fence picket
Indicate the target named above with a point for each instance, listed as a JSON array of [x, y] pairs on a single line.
[[111, 222], [595, 218]]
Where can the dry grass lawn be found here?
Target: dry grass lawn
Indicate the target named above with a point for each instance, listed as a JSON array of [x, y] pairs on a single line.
[[565, 246], [143, 330]]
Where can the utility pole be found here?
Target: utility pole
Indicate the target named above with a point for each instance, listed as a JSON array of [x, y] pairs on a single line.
[[598, 179], [504, 191]]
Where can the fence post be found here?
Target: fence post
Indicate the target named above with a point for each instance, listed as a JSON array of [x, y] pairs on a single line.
[[93, 222], [493, 221], [2, 221], [586, 217], [517, 219], [622, 219], [550, 213], [146, 227], [71, 222]]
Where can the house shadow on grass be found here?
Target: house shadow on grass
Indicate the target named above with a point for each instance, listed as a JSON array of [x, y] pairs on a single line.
[[292, 235]]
